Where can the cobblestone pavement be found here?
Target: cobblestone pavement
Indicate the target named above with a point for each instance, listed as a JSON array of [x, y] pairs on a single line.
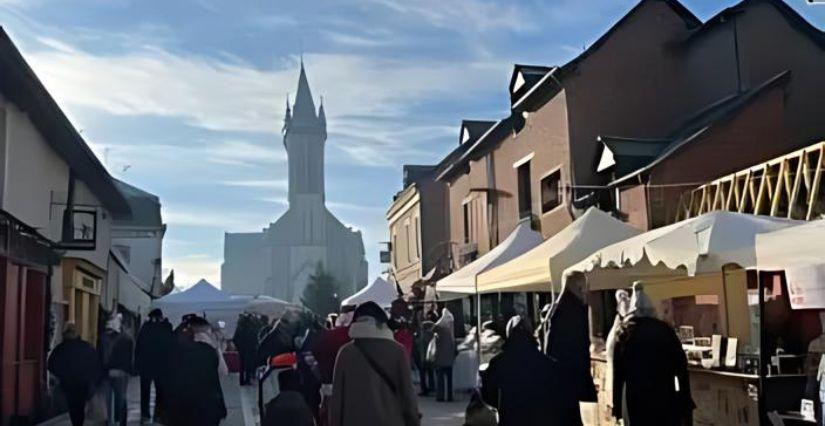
[[232, 395], [242, 407]]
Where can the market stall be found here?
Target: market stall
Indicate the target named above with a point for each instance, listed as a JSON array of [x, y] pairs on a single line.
[[792, 277], [696, 274], [463, 281], [380, 291], [540, 269], [206, 300]]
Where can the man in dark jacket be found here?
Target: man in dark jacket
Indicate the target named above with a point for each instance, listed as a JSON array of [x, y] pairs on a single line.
[[289, 408], [152, 356], [521, 382], [117, 352], [77, 367], [193, 396], [651, 384], [568, 343], [246, 342]]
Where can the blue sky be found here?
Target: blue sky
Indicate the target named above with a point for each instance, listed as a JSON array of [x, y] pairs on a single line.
[[186, 98]]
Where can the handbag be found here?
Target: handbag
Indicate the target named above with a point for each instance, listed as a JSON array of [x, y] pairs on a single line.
[[432, 349], [478, 413]]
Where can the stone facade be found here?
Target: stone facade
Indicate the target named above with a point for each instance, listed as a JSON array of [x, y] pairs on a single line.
[[278, 261]]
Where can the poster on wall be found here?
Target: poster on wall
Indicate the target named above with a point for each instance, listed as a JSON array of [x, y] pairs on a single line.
[[806, 286]]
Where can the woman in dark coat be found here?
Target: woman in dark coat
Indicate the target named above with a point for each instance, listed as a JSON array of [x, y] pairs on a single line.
[[194, 396], [568, 343], [521, 382], [650, 378]]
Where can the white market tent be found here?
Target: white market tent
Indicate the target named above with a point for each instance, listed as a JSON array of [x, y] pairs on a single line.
[[205, 300], [463, 281], [380, 291], [701, 245], [797, 250], [269, 306], [542, 266]]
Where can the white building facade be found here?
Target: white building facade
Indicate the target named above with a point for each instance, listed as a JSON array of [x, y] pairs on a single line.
[[278, 261]]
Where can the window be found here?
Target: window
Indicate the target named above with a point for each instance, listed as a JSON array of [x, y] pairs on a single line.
[[409, 241], [466, 208], [525, 201], [417, 237], [551, 191], [394, 249]]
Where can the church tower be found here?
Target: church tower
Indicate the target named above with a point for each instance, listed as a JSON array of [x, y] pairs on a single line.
[[305, 134]]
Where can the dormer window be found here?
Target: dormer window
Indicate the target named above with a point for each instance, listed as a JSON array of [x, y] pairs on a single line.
[[519, 83], [606, 161]]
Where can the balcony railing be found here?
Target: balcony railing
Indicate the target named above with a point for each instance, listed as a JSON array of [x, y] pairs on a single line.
[[23, 243], [789, 186]]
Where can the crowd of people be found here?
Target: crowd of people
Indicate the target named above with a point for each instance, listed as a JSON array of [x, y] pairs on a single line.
[[357, 368], [183, 365]]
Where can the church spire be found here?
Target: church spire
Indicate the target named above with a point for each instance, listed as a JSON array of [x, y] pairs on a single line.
[[287, 116], [303, 111]]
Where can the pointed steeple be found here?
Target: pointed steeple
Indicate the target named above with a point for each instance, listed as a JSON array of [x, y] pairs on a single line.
[[287, 116], [303, 111]]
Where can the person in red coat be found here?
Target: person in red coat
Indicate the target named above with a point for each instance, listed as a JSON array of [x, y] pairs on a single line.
[[325, 353]]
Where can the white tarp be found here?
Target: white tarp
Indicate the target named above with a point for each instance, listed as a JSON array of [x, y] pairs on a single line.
[[797, 250], [536, 269], [203, 299], [704, 244], [381, 291], [269, 306], [463, 281]]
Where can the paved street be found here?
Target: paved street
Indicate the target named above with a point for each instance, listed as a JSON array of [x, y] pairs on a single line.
[[242, 407]]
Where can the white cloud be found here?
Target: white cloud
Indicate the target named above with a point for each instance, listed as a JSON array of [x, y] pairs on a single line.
[[203, 217], [475, 15], [259, 183], [229, 95]]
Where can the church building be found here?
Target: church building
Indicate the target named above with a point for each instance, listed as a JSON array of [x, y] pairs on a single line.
[[278, 261]]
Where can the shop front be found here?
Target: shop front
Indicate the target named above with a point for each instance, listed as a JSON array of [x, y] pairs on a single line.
[[701, 276], [26, 260]]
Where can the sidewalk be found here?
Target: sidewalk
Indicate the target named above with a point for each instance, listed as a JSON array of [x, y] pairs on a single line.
[[443, 413], [238, 405]]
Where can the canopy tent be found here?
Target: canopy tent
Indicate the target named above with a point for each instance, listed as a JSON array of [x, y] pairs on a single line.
[[703, 244], [797, 250], [380, 291], [269, 306], [206, 300], [536, 269], [463, 281]]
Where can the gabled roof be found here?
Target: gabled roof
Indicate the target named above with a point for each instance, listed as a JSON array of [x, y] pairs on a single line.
[[524, 77], [414, 173], [646, 156], [547, 87], [20, 85], [491, 138], [145, 207], [471, 130], [793, 18]]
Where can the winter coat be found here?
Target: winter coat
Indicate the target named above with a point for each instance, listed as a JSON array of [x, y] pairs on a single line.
[[116, 352], [522, 384], [568, 343], [76, 364], [445, 349], [360, 395], [246, 339], [194, 395], [153, 348], [326, 350], [288, 409], [648, 360]]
